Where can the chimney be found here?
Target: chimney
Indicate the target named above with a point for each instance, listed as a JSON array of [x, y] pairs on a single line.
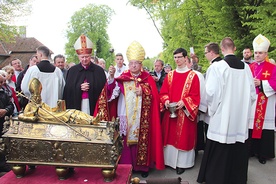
[[22, 31]]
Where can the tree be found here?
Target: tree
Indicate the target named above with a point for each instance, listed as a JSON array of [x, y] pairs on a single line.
[[149, 63], [91, 21], [9, 11], [186, 23], [263, 21]]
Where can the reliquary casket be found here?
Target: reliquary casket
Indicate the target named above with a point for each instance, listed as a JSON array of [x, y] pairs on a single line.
[[62, 145]]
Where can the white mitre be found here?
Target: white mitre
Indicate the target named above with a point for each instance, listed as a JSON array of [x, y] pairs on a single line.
[[83, 45], [261, 44]]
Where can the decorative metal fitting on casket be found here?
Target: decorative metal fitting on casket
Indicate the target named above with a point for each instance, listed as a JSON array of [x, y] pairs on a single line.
[[57, 144]]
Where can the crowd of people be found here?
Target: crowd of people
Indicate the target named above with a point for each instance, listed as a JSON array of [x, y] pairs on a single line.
[[206, 113]]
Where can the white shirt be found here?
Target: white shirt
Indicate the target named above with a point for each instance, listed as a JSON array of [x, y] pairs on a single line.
[[116, 91], [203, 101], [119, 71]]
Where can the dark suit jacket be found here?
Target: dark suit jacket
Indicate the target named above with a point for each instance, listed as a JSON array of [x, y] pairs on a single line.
[[161, 79], [5, 103]]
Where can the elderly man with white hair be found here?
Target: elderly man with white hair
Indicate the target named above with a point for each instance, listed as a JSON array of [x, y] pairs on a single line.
[[86, 82], [140, 124]]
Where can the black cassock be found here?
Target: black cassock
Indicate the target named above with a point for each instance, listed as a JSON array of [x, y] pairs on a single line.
[[76, 75]]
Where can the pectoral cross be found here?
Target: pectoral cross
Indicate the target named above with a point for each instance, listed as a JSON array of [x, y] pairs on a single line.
[[266, 74]]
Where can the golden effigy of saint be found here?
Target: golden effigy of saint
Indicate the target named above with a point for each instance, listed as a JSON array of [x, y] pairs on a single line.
[[36, 110]]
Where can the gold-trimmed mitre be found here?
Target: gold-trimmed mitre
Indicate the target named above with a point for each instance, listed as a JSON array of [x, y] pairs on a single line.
[[83, 45], [35, 87], [261, 44], [135, 51]]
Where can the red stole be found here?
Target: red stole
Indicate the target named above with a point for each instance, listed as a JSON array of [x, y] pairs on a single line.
[[102, 105], [261, 101], [143, 140], [142, 147]]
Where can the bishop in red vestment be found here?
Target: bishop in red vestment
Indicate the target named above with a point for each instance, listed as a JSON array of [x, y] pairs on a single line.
[[143, 146]]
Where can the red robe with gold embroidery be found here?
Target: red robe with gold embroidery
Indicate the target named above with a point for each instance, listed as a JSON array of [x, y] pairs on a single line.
[[181, 132], [150, 146], [102, 106]]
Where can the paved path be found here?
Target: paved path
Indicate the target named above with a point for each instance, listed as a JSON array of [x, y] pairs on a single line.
[[257, 173]]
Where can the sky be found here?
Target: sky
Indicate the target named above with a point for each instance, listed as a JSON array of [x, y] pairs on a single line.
[[49, 19]]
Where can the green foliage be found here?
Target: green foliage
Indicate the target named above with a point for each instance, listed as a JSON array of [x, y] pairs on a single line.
[[195, 23], [9, 11], [264, 22], [7, 32], [92, 21], [149, 63]]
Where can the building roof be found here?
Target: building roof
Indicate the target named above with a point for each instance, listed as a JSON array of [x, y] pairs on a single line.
[[22, 48]]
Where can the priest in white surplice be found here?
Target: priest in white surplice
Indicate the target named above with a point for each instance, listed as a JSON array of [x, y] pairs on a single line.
[[51, 78], [230, 95]]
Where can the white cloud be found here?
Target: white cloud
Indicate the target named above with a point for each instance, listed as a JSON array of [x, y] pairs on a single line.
[[48, 23]]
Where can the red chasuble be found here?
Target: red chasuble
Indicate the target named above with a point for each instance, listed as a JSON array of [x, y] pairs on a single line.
[[149, 146], [181, 132]]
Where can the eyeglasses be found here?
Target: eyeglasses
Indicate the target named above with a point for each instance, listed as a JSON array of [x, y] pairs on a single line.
[[178, 57], [206, 52]]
